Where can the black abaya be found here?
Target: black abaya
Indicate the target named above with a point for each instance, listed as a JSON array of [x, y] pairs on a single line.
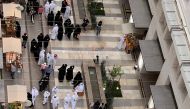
[[60, 33], [77, 79], [69, 74], [62, 71], [50, 19], [46, 41]]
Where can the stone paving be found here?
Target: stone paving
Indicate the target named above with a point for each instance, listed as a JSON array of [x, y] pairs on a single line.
[[73, 52]]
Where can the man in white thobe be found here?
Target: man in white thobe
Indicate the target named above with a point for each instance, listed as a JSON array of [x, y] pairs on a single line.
[[46, 96], [52, 6], [120, 44], [67, 12], [55, 101], [74, 99], [50, 59], [35, 93], [54, 90], [47, 9], [67, 101], [54, 32], [80, 87], [41, 59]]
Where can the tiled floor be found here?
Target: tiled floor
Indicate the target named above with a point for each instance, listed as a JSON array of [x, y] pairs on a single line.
[[72, 52]]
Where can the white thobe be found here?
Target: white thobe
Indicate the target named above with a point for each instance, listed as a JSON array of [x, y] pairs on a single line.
[[74, 99], [54, 91], [79, 88], [54, 32], [50, 59], [46, 96], [47, 9], [41, 57], [52, 6], [120, 44], [67, 12], [35, 93], [67, 101], [55, 102]]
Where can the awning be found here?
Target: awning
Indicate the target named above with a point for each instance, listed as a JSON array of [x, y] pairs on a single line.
[[11, 10], [11, 44], [162, 97], [16, 93], [151, 55], [140, 13]]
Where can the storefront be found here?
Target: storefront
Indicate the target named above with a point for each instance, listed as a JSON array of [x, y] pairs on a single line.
[[10, 16], [17, 96], [12, 52]]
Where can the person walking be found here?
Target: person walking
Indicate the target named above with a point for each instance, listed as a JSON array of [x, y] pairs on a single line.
[[57, 16], [85, 23], [43, 83], [33, 45], [46, 96], [67, 101], [98, 28], [47, 9], [48, 71], [54, 90], [63, 7], [60, 33], [69, 74], [32, 13], [122, 40], [69, 30], [50, 59], [54, 32], [35, 93], [66, 23], [13, 70], [41, 59], [52, 6], [40, 39], [77, 79], [77, 32], [62, 72], [55, 101], [50, 18], [67, 12], [74, 99], [24, 40], [46, 41], [42, 68]]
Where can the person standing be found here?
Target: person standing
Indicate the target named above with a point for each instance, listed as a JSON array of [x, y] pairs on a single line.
[[48, 71], [69, 30], [47, 9], [50, 18], [24, 40], [55, 101], [98, 28], [54, 90], [122, 40], [80, 89], [42, 68], [46, 96], [67, 12], [77, 32], [35, 93], [18, 29], [13, 70], [32, 13], [62, 72], [67, 101], [54, 32], [66, 23], [50, 59], [40, 39], [85, 23], [56, 20], [69, 74], [33, 45], [46, 41], [74, 99]]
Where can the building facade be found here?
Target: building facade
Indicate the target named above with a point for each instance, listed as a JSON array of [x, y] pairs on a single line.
[[170, 28]]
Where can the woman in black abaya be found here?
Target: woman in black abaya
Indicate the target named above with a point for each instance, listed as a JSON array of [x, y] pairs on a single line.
[[69, 74], [77, 79], [62, 71], [60, 33]]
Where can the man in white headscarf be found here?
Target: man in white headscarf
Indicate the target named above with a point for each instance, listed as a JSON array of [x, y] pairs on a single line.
[[35, 93], [74, 99], [67, 12], [80, 89], [41, 59], [55, 102], [67, 101], [47, 9], [52, 6], [54, 90], [46, 96], [50, 59], [54, 32]]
